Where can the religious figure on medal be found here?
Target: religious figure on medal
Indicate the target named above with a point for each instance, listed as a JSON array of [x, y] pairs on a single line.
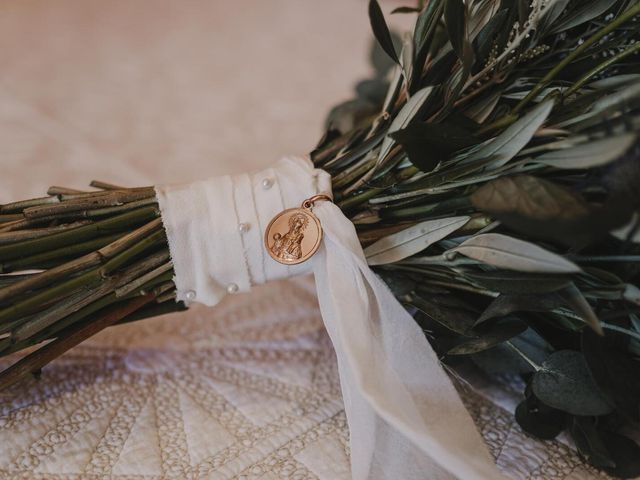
[[293, 236]]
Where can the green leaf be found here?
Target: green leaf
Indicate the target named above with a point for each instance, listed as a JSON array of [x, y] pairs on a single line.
[[614, 370], [406, 56], [500, 332], [504, 358], [539, 420], [500, 359], [553, 13], [612, 452], [589, 154], [381, 31], [444, 298], [513, 254], [625, 454], [455, 83], [611, 105], [412, 240], [582, 13], [590, 444], [394, 88], [529, 197], [480, 110], [615, 81], [565, 382], [426, 24], [405, 10], [416, 145], [455, 319], [505, 304], [567, 297], [455, 18], [517, 283], [618, 99], [487, 35], [355, 153], [402, 119], [509, 143], [399, 284], [574, 299], [441, 69], [427, 144], [539, 208]]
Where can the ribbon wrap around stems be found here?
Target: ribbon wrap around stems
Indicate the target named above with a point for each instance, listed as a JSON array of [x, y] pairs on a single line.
[[406, 420]]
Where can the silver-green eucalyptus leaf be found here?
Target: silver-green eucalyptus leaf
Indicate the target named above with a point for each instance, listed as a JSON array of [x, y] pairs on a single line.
[[589, 154], [412, 240], [553, 146], [520, 94], [507, 145], [394, 87], [398, 196], [566, 383], [511, 253], [406, 57], [610, 103], [615, 82]]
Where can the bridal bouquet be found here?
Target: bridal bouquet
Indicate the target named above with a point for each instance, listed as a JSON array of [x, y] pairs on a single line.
[[492, 171]]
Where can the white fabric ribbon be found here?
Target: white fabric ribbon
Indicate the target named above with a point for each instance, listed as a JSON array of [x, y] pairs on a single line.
[[405, 418]]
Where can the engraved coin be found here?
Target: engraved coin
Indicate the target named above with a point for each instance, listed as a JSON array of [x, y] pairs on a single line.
[[293, 236]]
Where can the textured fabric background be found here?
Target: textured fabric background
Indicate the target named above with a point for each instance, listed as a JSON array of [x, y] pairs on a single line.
[[141, 92]]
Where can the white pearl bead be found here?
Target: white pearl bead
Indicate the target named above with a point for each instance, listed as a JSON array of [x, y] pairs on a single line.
[[267, 183], [243, 227], [190, 295], [232, 288]]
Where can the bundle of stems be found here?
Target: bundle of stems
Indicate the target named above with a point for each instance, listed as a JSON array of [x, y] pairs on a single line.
[[73, 263], [492, 169]]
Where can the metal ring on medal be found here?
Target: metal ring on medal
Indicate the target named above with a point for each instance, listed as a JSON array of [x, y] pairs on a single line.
[[293, 236]]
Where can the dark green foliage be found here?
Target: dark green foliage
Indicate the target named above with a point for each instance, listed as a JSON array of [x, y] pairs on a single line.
[[540, 420], [523, 117], [564, 382], [380, 30]]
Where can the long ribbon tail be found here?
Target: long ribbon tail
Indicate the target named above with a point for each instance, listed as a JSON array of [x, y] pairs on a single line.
[[405, 417]]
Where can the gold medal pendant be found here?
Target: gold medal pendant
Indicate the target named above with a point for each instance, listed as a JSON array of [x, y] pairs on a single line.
[[295, 234]]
